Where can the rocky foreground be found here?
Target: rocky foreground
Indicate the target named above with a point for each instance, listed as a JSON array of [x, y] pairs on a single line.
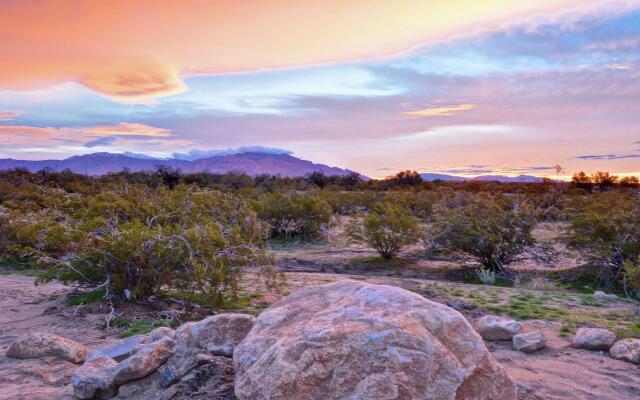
[[344, 340]]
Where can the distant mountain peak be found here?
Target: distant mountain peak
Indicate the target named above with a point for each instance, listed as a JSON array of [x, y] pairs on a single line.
[[249, 162]]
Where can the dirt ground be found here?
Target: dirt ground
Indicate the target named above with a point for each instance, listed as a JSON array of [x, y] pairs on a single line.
[[558, 372]]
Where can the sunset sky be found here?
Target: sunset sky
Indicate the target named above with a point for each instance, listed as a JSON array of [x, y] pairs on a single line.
[[466, 87]]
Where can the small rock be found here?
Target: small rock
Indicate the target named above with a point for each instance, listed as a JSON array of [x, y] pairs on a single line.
[[529, 342], [39, 344], [461, 305], [491, 327], [160, 333], [153, 336], [95, 375], [120, 349], [183, 358], [218, 335], [211, 381], [144, 362], [626, 350], [146, 388], [603, 295], [594, 339], [221, 333]]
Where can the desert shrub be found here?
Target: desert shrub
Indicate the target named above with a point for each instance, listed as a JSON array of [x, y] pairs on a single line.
[[486, 276], [293, 215], [487, 230], [24, 233], [606, 231], [631, 281], [347, 203], [136, 241], [387, 228]]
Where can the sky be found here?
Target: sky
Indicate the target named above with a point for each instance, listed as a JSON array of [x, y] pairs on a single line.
[[539, 87]]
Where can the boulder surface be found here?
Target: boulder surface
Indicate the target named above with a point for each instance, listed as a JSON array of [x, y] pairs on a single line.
[[594, 339], [143, 362], [95, 375], [39, 344], [353, 340], [195, 342]]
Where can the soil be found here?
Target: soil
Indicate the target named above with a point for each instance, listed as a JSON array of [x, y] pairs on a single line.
[[558, 372]]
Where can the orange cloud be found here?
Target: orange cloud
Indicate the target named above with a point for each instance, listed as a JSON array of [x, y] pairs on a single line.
[[9, 115], [439, 111], [138, 49], [134, 81], [126, 129]]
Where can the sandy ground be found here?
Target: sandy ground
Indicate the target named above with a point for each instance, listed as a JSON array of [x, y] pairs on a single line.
[[558, 372], [24, 308]]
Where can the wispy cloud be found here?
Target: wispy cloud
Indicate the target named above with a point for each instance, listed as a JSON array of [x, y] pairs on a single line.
[[126, 129], [440, 111], [9, 115], [20, 137], [608, 156]]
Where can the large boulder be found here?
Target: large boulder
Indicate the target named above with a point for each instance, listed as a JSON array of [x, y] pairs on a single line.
[[353, 340], [491, 327], [529, 342], [626, 350], [94, 376], [144, 362], [38, 344], [594, 339]]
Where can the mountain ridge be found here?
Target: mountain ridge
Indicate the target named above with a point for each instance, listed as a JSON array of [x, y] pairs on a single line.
[[500, 178], [251, 163]]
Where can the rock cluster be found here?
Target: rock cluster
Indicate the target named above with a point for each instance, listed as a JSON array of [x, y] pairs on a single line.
[[353, 340], [344, 340], [195, 356]]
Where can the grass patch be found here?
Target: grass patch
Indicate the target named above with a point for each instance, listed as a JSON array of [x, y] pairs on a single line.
[[377, 262], [85, 298], [590, 300], [287, 243], [137, 327], [8, 267], [566, 330]]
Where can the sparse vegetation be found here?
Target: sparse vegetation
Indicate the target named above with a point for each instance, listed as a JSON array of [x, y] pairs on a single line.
[[387, 228], [489, 231]]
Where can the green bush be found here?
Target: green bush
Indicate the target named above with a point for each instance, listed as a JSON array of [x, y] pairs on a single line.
[[605, 229], [488, 230], [295, 215], [137, 240], [387, 228]]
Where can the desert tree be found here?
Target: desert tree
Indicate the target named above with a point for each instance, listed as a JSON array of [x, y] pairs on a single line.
[[387, 228], [488, 231]]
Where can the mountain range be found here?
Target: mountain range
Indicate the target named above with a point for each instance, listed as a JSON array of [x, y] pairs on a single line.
[[251, 163], [499, 178]]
